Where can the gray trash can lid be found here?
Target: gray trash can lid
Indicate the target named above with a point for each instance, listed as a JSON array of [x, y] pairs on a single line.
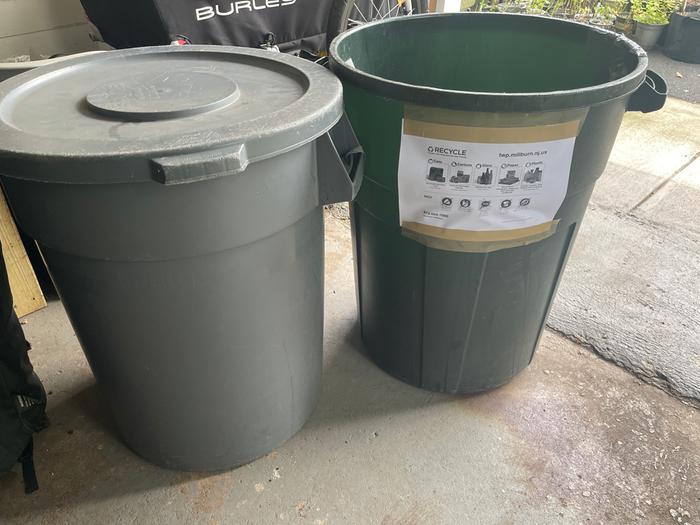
[[105, 118]]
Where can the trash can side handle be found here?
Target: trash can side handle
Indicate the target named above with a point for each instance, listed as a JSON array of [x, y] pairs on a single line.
[[340, 160], [199, 166], [650, 95]]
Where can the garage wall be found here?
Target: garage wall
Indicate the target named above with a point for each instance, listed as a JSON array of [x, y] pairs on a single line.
[[41, 28]]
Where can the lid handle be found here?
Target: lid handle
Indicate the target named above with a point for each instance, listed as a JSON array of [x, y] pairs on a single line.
[[341, 163], [199, 166]]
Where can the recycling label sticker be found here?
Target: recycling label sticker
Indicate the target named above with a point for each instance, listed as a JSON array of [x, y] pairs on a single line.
[[456, 179]]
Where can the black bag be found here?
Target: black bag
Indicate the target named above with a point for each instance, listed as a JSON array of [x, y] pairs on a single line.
[[22, 396], [290, 24]]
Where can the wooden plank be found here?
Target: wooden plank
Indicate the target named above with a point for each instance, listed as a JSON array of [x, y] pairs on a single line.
[[26, 291]]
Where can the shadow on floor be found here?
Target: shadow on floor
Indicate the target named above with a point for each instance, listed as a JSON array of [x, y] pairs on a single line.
[[82, 459], [354, 388]]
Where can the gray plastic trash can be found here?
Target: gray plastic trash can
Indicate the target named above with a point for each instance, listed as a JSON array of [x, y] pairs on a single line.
[[175, 193]]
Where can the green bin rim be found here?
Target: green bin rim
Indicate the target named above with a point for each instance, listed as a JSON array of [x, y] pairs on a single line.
[[492, 101]]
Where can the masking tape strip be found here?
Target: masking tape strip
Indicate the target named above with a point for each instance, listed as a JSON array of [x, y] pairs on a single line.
[[477, 241], [478, 119], [482, 135]]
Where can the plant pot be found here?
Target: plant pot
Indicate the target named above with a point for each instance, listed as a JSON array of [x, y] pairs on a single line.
[[563, 13], [603, 24], [647, 35], [624, 24], [683, 38]]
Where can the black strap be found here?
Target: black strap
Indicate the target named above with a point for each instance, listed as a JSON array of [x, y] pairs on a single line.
[[31, 484]]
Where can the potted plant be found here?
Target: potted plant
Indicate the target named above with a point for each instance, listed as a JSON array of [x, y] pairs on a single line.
[[559, 9], [537, 7], [624, 23], [604, 14], [683, 36], [652, 17]]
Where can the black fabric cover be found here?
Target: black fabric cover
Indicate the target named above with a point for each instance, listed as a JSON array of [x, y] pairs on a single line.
[[295, 24], [22, 396]]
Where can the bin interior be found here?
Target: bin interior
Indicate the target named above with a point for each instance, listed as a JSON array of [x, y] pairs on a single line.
[[489, 53]]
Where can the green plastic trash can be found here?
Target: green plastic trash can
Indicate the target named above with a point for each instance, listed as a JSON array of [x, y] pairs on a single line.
[[484, 135], [176, 195]]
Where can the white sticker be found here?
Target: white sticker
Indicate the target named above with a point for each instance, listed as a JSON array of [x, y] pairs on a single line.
[[479, 187]]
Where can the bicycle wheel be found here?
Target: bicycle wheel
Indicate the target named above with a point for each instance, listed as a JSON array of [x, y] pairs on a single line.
[[346, 14]]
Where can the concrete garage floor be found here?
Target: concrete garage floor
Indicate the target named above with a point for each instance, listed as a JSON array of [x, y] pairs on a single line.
[[631, 290], [683, 78], [573, 439]]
